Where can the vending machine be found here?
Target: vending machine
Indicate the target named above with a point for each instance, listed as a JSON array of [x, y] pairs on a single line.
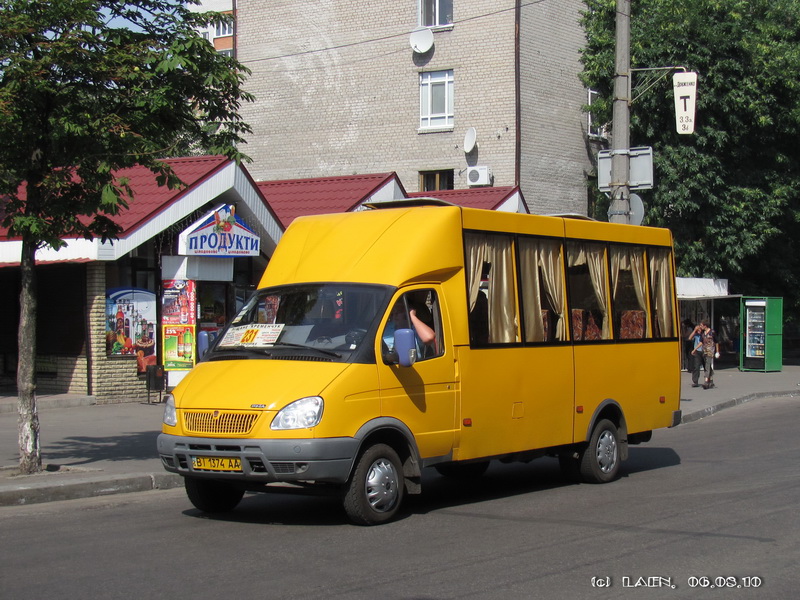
[[761, 322]]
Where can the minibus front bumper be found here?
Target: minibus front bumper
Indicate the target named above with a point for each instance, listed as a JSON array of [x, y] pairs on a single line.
[[327, 460]]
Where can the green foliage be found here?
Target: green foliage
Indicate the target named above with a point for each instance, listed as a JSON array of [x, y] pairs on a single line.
[[91, 86], [731, 192]]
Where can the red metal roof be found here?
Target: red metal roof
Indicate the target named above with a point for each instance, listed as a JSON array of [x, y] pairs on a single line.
[[149, 197], [292, 198], [488, 198]]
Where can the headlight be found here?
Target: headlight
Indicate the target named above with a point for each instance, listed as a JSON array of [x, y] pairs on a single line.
[[170, 414], [300, 414]]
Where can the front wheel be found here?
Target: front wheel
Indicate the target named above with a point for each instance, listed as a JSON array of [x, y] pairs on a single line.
[[212, 496], [600, 461], [375, 490]]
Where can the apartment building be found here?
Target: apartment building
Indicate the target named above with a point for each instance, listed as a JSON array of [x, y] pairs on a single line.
[[446, 93]]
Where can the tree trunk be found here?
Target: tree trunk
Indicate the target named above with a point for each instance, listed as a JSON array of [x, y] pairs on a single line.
[[30, 454]]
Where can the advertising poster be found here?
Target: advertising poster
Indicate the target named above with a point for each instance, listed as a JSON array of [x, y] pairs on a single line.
[[178, 347], [178, 302], [131, 325]]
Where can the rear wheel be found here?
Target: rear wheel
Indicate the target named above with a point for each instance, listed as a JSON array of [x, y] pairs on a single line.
[[600, 461], [212, 496], [375, 490]]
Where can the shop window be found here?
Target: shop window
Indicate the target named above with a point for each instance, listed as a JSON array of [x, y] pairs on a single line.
[[542, 290], [491, 288], [588, 291]]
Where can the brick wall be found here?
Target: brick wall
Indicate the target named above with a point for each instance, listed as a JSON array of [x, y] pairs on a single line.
[[337, 88], [355, 108], [113, 379], [554, 156]]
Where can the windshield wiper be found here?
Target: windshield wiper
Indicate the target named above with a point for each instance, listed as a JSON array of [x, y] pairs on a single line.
[[304, 347], [239, 348]]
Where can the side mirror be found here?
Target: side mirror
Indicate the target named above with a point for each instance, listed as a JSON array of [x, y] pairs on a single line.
[[202, 343], [405, 344]]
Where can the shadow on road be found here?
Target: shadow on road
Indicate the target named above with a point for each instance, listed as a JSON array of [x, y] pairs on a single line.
[[439, 493]]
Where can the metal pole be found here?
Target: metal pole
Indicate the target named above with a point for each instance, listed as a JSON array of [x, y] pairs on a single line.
[[620, 209]]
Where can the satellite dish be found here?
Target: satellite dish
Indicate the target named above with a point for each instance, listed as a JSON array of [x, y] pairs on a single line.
[[469, 140], [637, 210], [421, 40]]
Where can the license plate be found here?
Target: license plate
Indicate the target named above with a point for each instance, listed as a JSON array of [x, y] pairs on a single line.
[[216, 463]]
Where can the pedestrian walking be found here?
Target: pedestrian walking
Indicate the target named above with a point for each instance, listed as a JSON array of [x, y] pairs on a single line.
[[710, 352]]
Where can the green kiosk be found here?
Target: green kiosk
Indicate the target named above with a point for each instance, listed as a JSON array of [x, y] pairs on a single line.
[[761, 321]]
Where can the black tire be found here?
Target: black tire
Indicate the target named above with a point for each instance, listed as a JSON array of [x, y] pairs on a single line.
[[212, 496], [376, 488], [471, 470], [600, 460]]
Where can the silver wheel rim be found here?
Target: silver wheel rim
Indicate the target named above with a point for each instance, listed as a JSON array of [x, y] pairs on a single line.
[[382, 487], [606, 452]]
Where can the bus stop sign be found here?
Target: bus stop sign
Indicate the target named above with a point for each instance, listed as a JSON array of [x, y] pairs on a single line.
[[685, 87]]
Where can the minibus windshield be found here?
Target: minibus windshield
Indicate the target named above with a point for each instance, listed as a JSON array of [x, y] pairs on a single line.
[[331, 319]]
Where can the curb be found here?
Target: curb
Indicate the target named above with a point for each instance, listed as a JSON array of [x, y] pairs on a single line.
[[61, 401], [37, 492], [710, 410]]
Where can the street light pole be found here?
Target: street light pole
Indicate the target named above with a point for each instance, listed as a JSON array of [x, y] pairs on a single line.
[[620, 209]]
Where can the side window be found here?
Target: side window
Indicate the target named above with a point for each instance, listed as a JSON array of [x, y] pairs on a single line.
[[542, 291], [417, 310], [588, 291], [629, 293], [491, 289], [661, 292]]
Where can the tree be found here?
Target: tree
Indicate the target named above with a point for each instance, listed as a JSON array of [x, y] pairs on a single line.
[[730, 193], [88, 87]]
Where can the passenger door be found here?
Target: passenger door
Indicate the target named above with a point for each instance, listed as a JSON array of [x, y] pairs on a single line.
[[422, 396]]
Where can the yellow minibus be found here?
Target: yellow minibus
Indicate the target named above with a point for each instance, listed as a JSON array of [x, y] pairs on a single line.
[[422, 334]]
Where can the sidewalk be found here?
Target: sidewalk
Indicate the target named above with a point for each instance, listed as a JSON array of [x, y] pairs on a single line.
[[95, 450]]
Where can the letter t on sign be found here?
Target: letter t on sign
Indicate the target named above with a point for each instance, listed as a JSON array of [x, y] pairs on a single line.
[[685, 88]]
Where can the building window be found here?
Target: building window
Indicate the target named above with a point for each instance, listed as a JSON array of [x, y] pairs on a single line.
[[228, 52], [430, 181], [433, 13], [436, 99], [595, 129], [224, 29]]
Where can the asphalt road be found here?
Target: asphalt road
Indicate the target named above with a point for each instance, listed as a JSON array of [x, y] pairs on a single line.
[[713, 499]]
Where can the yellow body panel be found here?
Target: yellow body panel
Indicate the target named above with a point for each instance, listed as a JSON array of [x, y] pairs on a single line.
[[392, 246], [515, 398]]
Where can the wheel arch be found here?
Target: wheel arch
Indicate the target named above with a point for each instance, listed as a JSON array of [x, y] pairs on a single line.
[[393, 433], [611, 410]]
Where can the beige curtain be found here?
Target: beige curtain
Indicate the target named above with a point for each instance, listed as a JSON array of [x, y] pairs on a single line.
[[631, 259], [593, 255], [531, 292], [498, 251], [661, 289], [542, 256]]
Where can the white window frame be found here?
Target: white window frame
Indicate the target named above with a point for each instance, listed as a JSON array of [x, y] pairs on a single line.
[[428, 119], [594, 131], [224, 29], [438, 19]]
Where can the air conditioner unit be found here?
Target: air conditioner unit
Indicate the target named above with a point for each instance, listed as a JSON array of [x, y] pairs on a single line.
[[479, 176]]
